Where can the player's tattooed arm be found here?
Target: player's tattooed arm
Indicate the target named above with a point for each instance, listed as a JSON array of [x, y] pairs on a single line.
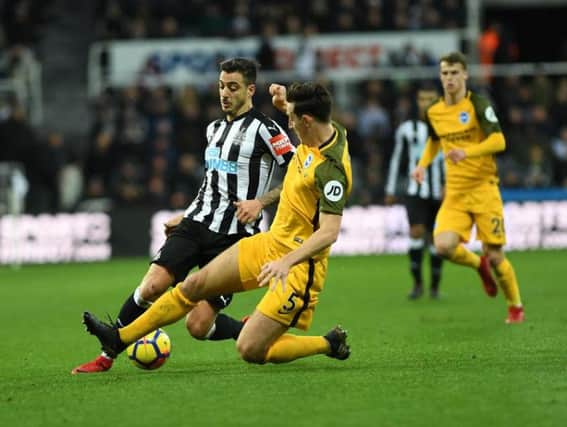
[[271, 196]]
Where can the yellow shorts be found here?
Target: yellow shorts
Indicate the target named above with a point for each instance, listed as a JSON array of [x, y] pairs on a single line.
[[481, 207], [294, 306]]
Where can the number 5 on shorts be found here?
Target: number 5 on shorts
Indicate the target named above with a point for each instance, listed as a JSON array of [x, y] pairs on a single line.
[[289, 305]]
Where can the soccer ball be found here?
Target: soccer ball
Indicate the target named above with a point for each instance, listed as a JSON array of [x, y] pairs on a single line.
[[151, 351]]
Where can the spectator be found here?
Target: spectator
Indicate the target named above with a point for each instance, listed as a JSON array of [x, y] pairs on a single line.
[[559, 157], [489, 42], [213, 22], [113, 21], [307, 60], [510, 171], [23, 145], [373, 120], [558, 109], [374, 19], [241, 25], [266, 55], [99, 165], [169, 27], [538, 173], [189, 124], [157, 194], [128, 183], [186, 181], [21, 20]]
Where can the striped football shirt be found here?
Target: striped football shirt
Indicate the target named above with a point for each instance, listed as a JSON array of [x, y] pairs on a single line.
[[240, 158], [410, 140]]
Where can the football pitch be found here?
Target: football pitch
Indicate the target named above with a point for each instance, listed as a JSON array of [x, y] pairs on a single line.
[[451, 362]]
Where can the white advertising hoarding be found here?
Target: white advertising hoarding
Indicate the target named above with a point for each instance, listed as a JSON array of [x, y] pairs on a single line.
[[183, 61], [30, 239], [384, 229], [84, 237]]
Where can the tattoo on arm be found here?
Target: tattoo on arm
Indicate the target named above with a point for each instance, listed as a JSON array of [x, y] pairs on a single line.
[[271, 196]]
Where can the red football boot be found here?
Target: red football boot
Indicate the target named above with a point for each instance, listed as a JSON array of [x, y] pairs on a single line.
[[515, 315], [100, 364], [486, 275]]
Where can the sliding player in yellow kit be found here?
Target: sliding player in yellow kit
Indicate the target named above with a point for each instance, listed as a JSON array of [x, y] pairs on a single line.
[[291, 257], [464, 125]]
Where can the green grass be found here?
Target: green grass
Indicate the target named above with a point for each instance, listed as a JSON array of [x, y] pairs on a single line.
[[445, 363]]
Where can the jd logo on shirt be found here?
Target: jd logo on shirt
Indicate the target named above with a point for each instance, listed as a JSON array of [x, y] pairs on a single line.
[[333, 191]]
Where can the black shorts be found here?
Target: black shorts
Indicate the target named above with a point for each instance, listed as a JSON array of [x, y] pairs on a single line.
[[191, 244], [422, 211]]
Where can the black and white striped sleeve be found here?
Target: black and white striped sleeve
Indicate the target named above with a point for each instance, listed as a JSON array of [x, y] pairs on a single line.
[[277, 142], [395, 161]]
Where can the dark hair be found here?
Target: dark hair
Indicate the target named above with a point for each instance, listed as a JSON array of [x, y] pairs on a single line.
[[428, 86], [311, 98], [247, 67], [455, 58]]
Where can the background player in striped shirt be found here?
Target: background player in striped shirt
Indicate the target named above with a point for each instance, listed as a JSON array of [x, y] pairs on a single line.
[[464, 125], [422, 200], [242, 151], [291, 257]]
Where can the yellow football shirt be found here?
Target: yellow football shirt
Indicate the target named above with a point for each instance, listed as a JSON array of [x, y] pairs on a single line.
[[462, 125], [317, 180]]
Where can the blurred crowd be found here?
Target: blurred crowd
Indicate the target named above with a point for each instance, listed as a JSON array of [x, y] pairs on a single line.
[[43, 154], [21, 28], [145, 143], [135, 19]]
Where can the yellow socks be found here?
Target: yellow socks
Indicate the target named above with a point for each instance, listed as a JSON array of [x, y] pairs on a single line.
[[168, 308], [507, 280], [463, 256], [289, 347]]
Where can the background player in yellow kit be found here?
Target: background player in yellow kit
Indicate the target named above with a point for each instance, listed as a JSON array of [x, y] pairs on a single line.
[[464, 125], [291, 257]]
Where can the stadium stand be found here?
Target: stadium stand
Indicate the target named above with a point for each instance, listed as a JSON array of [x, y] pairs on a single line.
[[141, 143]]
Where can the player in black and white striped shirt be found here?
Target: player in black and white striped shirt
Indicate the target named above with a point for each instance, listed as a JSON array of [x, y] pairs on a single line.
[[240, 158], [422, 200], [242, 151]]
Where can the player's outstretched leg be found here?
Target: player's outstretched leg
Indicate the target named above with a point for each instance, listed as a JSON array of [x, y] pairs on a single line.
[[265, 340], [156, 281], [133, 307], [289, 347], [107, 334]]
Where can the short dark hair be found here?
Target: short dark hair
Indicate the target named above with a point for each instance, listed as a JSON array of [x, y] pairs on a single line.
[[311, 98], [245, 66], [427, 86], [455, 58]]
